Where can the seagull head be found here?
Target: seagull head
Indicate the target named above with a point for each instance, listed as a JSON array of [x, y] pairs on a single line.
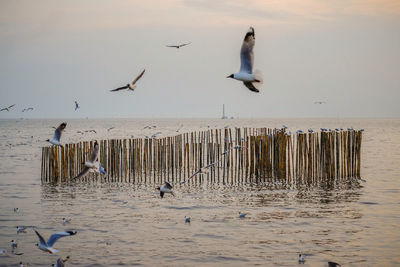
[[230, 76]]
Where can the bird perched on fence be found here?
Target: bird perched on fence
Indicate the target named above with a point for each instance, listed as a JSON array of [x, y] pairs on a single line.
[[165, 188], [250, 80], [130, 86], [57, 135]]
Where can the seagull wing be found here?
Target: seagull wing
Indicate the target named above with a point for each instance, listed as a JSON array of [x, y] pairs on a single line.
[[54, 237], [95, 153], [41, 239], [185, 44], [191, 176], [251, 87], [167, 185], [246, 53], [121, 88], [58, 131], [138, 77], [82, 173], [11, 106]]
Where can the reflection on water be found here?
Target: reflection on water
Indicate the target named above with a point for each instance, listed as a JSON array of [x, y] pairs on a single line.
[[351, 222]]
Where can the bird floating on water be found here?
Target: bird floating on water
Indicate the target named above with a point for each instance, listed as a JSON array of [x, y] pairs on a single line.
[[187, 219], [165, 188], [91, 163], [251, 80], [130, 86], [48, 246], [57, 135], [7, 108], [242, 215], [179, 45], [301, 258]]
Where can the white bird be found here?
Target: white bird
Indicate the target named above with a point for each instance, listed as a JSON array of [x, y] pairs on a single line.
[[7, 108], [60, 262], [21, 229], [91, 163], [165, 188], [3, 252], [57, 135], [16, 210], [242, 215], [130, 86], [48, 246], [21, 264], [65, 221], [178, 46], [14, 245], [187, 219], [250, 80], [301, 258], [76, 105]]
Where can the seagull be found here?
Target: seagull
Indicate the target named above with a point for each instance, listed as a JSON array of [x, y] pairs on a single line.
[[245, 74], [7, 108], [155, 135], [48, 246], [333, 264], [109, 129], [76, 105], [299, 131], [27, 109], [179, 45], [320, 102], [310, 130], [16, 210], [100, 169], [21, 229], [165, 188], [130, 86], [14, 245], [202, 170], [90, 131], [301, 258], [65, 221], [187, 219], [60, 262], [21, 264], [91, 163], [57, 135], [180, 127], [242, 215]]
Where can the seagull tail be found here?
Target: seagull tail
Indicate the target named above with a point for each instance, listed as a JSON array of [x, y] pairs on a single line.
[[260, 79]]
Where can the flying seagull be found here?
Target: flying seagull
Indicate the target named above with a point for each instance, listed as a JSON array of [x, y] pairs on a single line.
[[76, 105], [91, 163], [320, 102], [130, 86], [179, 45], [57, 135], [165, 188], [60, 262], [48, 246], [27, 109], [202, 170], [7, 108], [250, 80]]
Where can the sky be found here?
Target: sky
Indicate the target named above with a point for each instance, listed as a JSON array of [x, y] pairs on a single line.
[[344, 52]]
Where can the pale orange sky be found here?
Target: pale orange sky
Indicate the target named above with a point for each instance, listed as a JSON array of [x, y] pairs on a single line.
[[342, 52]]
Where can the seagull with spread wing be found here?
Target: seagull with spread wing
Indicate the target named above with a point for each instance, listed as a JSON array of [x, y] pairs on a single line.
[[178, 46], [91, 164], [57, 135], [251, 80], [48, 246], [130, 86], [7, 108], [165, 188], [202, 170]]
